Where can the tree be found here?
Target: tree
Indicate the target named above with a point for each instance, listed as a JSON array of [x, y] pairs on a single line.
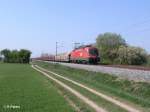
[[0, 57], [6, 54], [24, 56], [14, 56], [108, 44]]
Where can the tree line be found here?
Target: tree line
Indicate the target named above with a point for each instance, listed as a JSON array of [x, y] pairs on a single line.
[[115, 50], [15, 56]]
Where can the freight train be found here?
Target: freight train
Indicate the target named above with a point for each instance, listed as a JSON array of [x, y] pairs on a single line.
[[84, 54]]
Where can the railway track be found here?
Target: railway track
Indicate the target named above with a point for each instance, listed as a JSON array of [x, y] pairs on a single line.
[[138, 74]]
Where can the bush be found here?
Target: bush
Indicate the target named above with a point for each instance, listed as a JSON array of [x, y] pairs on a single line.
[[132, 55], [148, 60]]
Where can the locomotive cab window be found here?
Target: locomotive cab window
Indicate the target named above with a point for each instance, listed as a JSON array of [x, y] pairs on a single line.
[[93, 52]]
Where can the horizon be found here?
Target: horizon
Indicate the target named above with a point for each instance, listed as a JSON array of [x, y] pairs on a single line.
[[38, 25]]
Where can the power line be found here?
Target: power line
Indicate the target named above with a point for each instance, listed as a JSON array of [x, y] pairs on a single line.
[[141, 23], [76, 45], [139, 31], [135, 25]]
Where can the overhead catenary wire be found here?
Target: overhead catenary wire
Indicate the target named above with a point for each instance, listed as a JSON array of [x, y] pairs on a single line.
[[136, 26]]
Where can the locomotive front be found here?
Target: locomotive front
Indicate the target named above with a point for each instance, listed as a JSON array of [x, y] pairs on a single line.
[[93, 55]]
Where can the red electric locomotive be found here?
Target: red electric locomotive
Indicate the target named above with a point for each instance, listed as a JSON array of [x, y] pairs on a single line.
[[85, 54]]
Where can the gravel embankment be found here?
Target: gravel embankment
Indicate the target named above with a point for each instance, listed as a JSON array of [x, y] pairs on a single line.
[[136, 75]]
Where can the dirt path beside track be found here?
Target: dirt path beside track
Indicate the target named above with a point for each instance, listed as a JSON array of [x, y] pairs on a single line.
[[108, 98], [77, 94]]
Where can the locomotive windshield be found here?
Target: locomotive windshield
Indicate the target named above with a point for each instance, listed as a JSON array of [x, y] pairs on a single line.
[[93, 52]]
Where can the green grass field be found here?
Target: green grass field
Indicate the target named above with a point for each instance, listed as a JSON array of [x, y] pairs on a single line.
[[22, 86], [136, 93], [110, 107]]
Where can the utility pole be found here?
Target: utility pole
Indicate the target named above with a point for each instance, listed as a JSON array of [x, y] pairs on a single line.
[[56, 50], [56, 47]]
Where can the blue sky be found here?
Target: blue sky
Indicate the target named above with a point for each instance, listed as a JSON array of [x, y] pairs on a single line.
[[37, 24]]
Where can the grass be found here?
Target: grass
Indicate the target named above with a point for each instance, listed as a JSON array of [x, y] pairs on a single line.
[[137, 93], [100, 101], [82, 107], [22, 86]]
